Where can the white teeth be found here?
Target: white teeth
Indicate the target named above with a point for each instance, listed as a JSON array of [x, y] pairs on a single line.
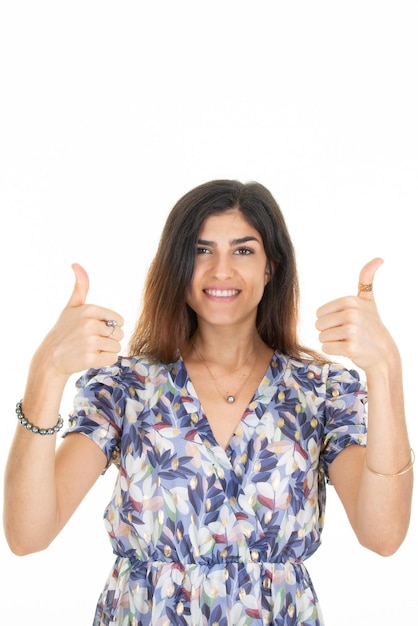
[[221, 293]]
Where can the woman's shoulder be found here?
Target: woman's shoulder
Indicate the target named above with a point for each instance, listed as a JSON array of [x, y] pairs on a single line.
[[317, 368], [126, 371]]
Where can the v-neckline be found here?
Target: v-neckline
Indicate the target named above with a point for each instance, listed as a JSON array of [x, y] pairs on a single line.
[[208, 431]]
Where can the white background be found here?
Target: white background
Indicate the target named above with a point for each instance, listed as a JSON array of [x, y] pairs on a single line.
[[109, 111]]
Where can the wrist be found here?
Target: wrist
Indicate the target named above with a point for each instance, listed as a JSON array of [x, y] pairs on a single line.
[[43, 374]]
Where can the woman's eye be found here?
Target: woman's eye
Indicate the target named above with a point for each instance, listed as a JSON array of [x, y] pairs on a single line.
[[243, 251], [202, 250]]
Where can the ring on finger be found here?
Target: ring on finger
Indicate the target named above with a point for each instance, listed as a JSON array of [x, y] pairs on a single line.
[[112, 324], [365, 287]]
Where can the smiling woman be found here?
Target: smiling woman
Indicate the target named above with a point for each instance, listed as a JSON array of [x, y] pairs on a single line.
[[224, 429], [170, 277], [230, 274]]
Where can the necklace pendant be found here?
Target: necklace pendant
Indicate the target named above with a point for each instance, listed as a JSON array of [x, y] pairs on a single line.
[[230, 399]]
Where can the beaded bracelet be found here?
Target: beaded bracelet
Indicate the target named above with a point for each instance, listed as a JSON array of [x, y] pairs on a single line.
[[35, 429], [403, 471]]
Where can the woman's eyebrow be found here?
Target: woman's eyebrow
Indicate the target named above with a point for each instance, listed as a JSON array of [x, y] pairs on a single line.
[[232, 242], [236, 242]]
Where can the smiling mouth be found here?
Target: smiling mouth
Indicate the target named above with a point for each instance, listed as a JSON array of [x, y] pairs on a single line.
[[221, 293]]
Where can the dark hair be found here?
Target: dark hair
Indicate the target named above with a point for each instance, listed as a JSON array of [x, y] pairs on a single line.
[[166, 320]]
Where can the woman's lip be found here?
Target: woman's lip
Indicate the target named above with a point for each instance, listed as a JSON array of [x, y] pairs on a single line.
[[221, 293]]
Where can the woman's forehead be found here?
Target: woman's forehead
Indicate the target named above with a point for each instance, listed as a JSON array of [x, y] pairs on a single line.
[[229, 222]]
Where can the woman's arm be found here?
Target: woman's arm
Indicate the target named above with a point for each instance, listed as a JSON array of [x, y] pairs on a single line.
[[44, 485], [378, 506]]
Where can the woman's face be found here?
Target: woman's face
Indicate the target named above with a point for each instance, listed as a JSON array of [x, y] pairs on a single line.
[[230, 272]]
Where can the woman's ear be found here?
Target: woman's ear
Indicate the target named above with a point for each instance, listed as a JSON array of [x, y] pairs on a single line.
[[267, 274]]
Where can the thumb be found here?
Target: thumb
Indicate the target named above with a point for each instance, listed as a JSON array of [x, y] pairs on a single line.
[[81, 287], [365, 285]]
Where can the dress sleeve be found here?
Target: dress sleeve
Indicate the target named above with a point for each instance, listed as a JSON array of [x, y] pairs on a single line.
[[345, 413], [98, 409]]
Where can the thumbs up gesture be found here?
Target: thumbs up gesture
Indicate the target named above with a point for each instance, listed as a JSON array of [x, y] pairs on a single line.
[[84, 336], [351, 326]]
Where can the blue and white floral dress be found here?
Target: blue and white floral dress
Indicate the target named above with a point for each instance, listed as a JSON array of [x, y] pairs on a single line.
[[207, 536]]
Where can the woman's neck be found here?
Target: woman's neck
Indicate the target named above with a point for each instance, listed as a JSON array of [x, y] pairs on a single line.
[[226, 349]]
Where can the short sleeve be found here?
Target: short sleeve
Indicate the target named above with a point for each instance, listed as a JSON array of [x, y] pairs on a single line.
[[98, 409], [345, 413]]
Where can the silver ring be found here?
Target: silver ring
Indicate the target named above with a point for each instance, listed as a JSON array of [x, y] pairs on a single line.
[[112, 324]]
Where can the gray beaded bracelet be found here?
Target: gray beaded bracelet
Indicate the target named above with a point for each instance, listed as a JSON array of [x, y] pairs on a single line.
[[35, 429]]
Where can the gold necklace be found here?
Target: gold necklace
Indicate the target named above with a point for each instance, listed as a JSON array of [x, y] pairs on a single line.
[[230, 397]]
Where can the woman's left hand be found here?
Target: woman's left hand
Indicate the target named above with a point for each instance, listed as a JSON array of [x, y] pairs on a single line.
[[351, 326], [378, 508]]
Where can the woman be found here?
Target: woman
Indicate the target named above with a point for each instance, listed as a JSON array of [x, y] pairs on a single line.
[[223, 427]]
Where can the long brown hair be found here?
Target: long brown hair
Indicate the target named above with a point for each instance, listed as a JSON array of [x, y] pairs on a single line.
[[166, 320]]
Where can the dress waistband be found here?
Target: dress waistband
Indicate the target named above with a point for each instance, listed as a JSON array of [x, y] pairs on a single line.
[[140, 568]]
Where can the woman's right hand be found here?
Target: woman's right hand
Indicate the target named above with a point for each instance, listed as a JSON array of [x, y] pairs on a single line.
[[81, 337]]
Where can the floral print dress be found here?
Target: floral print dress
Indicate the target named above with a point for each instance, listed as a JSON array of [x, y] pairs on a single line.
[[207, 536]]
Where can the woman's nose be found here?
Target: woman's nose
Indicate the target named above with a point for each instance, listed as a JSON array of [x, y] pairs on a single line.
[[222, 266]]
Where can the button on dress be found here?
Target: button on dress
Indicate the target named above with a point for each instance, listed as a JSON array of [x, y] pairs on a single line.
[[208, 536]]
